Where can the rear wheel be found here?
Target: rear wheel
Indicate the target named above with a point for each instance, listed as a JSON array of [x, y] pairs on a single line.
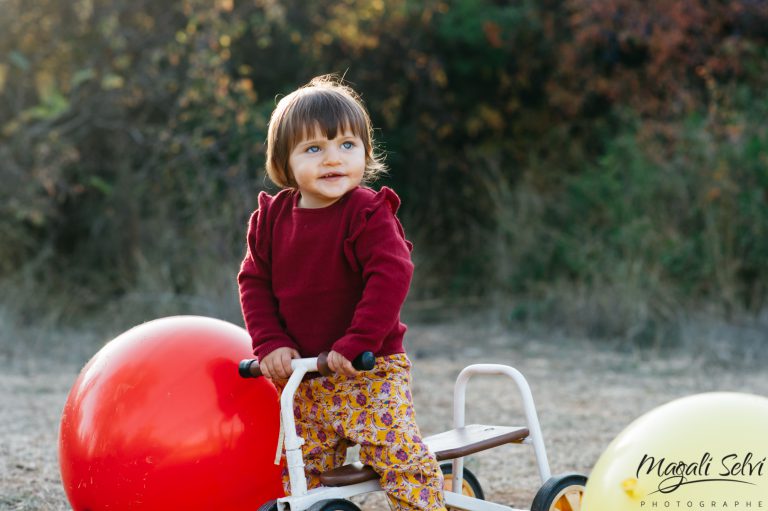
[[560, 493], [470, 486]]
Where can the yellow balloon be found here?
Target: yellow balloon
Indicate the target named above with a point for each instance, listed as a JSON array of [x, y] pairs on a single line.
[[703, 452]]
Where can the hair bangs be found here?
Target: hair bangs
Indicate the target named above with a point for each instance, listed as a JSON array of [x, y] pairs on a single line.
[[329, 113]]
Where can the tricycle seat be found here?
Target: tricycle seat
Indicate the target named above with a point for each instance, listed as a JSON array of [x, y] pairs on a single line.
[[454, 443]]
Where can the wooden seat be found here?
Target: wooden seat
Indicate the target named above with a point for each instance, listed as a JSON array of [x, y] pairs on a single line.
[[448, 445]]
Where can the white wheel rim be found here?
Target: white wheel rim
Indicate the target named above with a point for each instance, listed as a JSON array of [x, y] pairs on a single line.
[[466, 489], [569, 496]]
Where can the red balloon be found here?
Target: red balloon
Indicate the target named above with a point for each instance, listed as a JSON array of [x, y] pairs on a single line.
[[159, 419]]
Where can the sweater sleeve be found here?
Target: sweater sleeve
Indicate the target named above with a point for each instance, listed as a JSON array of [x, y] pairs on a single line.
[[254, 280], [377, 246]]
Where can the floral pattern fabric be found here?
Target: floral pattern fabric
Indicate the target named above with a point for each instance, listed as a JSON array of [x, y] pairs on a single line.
[[374, 410]]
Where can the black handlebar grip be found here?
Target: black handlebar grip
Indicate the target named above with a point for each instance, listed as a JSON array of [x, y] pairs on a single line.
[[244, 368], [365, 361]]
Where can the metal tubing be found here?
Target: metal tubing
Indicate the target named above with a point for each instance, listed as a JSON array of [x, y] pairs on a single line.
[[300, 503], [460, 501], [293, 442], [534, 428]]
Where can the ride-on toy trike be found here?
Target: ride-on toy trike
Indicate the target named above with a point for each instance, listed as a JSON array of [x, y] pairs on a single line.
[[557, 493]]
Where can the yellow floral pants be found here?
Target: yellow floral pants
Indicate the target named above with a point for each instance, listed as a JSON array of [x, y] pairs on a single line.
[[375, 411]]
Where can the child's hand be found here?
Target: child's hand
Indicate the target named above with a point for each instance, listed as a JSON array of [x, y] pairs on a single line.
[[277, 365], [338, 363]]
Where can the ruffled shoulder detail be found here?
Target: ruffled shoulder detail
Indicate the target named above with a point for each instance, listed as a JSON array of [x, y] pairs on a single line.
[[258, 228], [265, 200], [366, 203], [260, 225]]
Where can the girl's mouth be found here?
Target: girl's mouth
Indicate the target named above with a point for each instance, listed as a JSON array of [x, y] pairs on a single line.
[[331, 175]]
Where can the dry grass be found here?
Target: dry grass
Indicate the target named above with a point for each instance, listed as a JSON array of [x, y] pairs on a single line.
[[585, 397]]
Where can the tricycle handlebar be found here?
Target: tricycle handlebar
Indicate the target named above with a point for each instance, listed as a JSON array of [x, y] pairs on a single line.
[[249, 368]]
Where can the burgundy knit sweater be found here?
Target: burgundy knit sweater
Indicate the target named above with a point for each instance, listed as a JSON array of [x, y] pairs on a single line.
[[323, 279]]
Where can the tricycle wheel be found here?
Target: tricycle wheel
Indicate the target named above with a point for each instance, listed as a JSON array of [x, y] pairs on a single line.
[[270, 505], [560, 493], [470, 486], [334, 505]]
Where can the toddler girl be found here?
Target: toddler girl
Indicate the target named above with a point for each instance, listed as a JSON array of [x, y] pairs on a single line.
[[327, 268]]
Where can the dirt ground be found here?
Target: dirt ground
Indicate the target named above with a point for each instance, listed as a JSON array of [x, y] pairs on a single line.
[[585, 395]]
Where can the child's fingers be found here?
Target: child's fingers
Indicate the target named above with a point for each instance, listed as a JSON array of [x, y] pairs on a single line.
[[334, 364], [277, 365], [285, 365], [265, 370], [347, 369], [276, 368], [338, 363]]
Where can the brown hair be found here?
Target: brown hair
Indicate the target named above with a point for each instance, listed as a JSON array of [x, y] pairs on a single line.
[[324, 102]]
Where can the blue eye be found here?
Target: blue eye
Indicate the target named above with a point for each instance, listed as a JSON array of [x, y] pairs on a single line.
[[313, 149], [347, 145]]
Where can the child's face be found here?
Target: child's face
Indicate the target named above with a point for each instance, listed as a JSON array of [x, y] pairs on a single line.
[[324, 169]]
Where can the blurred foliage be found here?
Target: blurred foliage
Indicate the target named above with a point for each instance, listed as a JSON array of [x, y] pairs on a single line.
[[536, 144]]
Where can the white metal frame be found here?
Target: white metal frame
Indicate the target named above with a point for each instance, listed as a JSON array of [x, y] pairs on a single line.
[[301, 498], [535, 436]]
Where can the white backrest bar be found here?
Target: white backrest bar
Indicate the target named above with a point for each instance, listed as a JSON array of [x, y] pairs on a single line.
[[459, 410]]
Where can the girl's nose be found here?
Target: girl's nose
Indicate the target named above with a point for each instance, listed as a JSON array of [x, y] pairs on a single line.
[[331, 158]]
